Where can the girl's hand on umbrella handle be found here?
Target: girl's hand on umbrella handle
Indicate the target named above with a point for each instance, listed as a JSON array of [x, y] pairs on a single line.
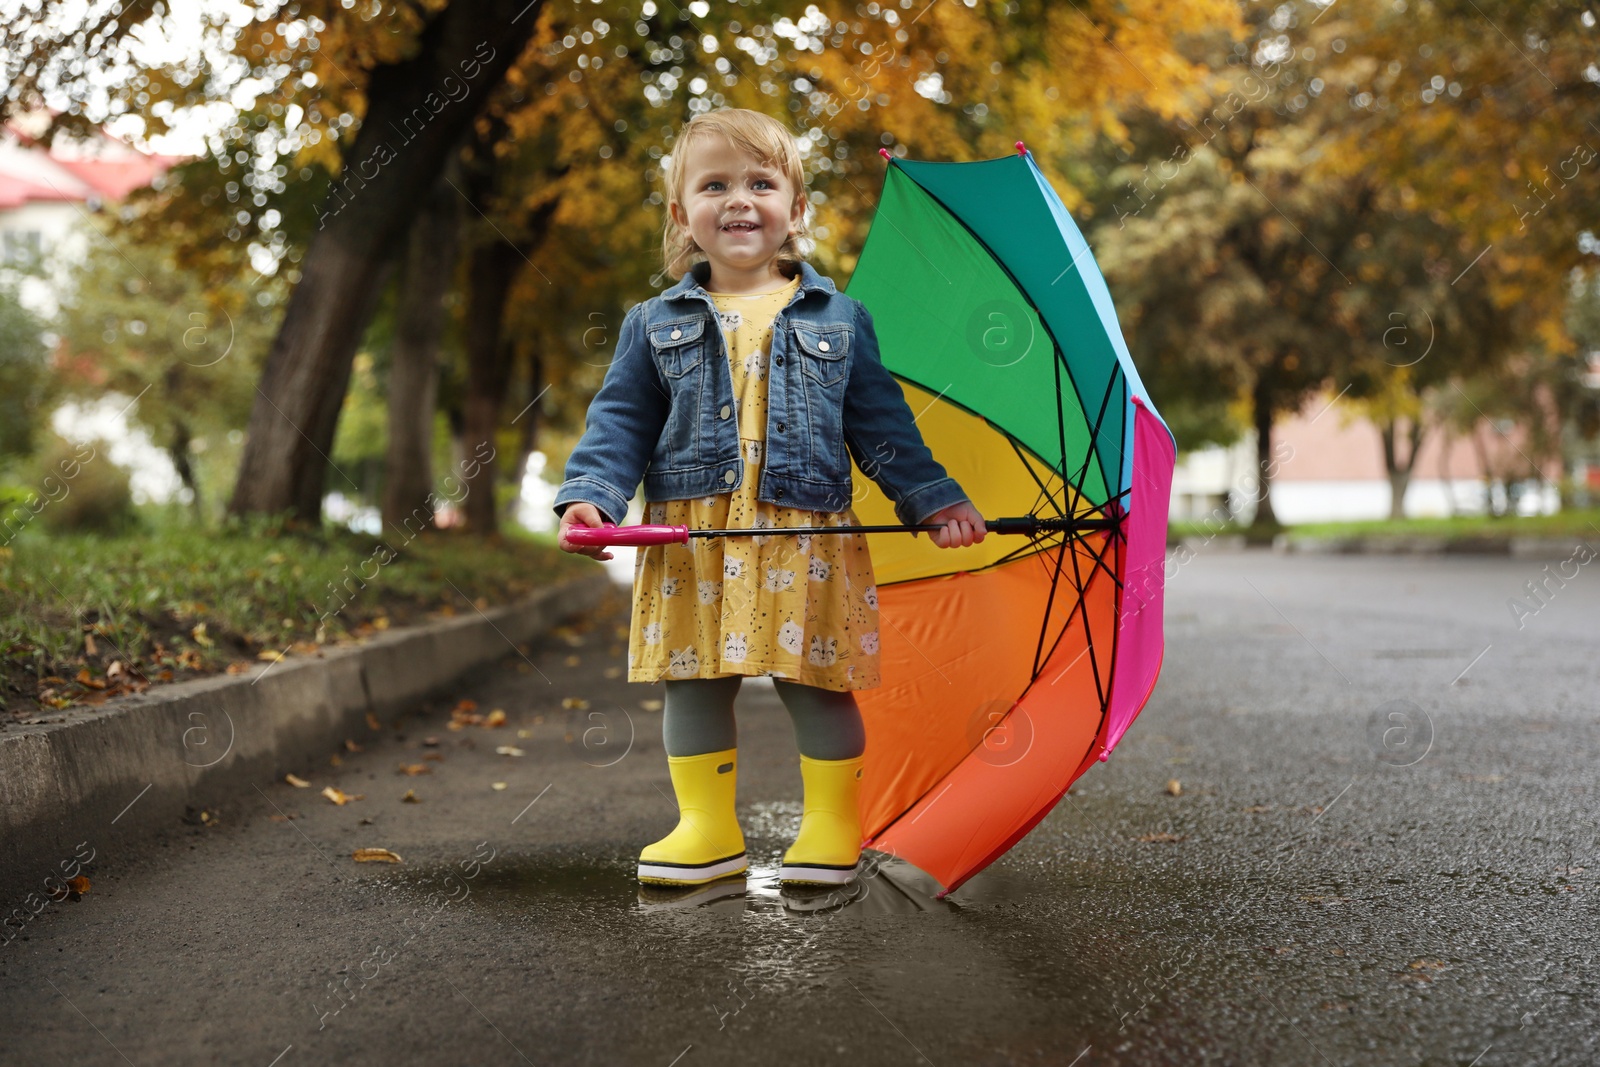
[[579, 513], [963, 526]]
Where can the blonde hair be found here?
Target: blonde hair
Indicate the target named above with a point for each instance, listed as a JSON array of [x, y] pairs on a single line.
[[755, 134]]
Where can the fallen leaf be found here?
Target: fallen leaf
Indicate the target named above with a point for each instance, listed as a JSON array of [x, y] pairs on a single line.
[[116, 670], [410, 797], [436, 757], [381, 622], [499, 785], [271, 655], [573, 660], [431, 742], [239, 667], [497, 717], [524, 733], [575, 702], [298, 783], [372, 722], [73, 889], [85, 678], [415, 768], [336, 760], [1174, 787], [88, 645], [375, 855], [200, 636], [340, 797], [351, 746], [508, 750], [650, 705]]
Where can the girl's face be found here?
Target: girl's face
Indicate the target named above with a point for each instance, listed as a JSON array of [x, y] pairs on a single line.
[[738, 210]]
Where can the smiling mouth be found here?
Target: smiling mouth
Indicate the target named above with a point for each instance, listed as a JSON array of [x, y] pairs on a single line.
[[741, 227]]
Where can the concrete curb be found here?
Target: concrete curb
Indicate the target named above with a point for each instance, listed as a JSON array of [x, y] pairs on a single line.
[[138, 763], [1517, 547]]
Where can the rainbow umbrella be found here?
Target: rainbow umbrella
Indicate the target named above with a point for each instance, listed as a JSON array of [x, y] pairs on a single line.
[[1010, 666], [1007, 668]]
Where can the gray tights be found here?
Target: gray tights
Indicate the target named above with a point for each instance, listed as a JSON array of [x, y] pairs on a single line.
[[698, 718]]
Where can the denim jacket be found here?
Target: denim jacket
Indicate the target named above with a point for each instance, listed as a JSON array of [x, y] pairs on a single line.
[[666, 411]]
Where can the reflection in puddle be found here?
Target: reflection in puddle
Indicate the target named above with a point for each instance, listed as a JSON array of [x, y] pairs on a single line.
[[600, 885]]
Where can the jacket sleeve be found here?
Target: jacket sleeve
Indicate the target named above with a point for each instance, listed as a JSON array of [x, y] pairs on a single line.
[[882, 436], [621, 427]]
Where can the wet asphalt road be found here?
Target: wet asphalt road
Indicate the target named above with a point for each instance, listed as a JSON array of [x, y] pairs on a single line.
[[1383, 852]]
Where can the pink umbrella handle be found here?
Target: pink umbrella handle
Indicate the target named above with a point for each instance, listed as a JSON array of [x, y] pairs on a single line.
[[612, 534]]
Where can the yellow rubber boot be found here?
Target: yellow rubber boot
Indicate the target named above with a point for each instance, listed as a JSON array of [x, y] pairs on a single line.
[[707, 843], [828, 848]]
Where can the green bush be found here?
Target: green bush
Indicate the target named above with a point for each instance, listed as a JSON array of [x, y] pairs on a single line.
[[77, 489]]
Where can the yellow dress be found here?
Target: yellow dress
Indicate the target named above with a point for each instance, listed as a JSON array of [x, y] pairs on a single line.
[[801, 607]]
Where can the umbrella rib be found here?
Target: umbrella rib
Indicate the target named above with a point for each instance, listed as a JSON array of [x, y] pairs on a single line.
[[1088, 635], [1044, 491], [1093, 452], [1049, 606]]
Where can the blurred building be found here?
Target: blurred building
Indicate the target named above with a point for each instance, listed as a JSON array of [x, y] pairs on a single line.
[[1330, 469], [49, 194]]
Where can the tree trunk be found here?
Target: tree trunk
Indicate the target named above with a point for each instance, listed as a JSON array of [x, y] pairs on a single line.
[[179, 452], [528, 420], [414, 375], [1445, 474], [407, 135], [1399, 471], [1261, 399], [489, 360]]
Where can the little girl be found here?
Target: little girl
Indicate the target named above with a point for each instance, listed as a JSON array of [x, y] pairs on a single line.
[[735, 395]]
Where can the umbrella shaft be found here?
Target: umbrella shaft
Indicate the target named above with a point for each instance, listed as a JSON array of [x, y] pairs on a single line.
[[1023, 525]]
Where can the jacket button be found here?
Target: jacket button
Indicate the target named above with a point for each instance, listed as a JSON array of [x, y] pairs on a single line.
[[729, 477], [726, 410], [780, 494], [782, 426], [676, 334], [778, 360], [822, 345]]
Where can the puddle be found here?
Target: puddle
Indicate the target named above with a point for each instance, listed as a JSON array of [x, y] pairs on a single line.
[[577, 884]]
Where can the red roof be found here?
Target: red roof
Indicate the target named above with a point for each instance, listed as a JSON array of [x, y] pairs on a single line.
[[108, 168]]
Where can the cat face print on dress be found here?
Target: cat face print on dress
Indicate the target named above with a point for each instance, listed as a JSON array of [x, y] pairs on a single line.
[[709, 591], [778, 579], [652, 633], [731, 320], [732, 569], [685, 663], [755, 364], [869, 642], [819, 570], [671, 585], [871, 597], [735, 647], [789, 635], [752, 451], [823, 653], [761, 522]]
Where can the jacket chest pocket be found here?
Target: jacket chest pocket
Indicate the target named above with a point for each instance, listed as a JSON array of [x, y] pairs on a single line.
[[822, 351], [678, 347]]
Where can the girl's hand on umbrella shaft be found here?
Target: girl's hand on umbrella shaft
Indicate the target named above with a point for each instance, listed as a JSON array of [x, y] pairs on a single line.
[[963, 525], [581, 514]]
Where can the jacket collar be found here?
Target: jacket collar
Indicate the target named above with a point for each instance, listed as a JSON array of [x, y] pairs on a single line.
[[697, 276]]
